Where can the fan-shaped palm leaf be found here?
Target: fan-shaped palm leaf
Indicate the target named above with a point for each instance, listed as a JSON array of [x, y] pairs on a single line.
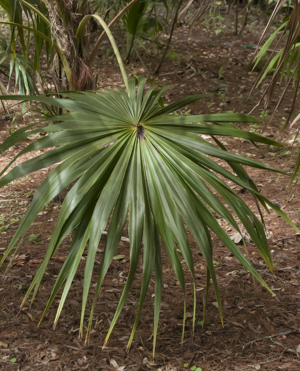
[[129, 155], [130, 158]]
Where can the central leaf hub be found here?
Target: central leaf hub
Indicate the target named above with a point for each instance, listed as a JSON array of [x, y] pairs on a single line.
[[140, 132]]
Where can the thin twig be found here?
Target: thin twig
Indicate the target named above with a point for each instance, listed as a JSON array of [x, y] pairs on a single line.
[[267, 337], [260, 363], [237, 18], [170, 38], [245, 23]]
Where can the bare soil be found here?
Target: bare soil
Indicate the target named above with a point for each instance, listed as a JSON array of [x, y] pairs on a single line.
[[260, 332]]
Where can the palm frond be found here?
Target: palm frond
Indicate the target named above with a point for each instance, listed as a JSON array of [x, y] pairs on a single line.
[[130, 158]]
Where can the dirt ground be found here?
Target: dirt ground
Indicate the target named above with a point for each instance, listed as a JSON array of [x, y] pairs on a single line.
[[260, 332]]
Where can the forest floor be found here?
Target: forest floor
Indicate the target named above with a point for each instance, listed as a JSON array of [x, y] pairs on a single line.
[[260, 332]]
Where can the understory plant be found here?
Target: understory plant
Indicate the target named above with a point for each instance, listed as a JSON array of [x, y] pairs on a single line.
[[56, 30], [15, 63], [284, 62], [133, 160]]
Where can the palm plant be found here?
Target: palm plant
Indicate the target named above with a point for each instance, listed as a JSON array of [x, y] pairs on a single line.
[[131, 158], [144, 21], [134, 21], [56, 29], [22, 16], [11, 62], [284, 63], [32, 18]]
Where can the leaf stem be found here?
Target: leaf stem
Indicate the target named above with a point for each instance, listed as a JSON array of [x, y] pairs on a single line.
[[79, 34]]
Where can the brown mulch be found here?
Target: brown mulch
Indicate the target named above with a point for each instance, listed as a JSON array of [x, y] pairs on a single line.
[[260, 332]]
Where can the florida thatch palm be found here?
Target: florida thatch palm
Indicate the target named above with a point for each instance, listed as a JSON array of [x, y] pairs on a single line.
[[131, 158]]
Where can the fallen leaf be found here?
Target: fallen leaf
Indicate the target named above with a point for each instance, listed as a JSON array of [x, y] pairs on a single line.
[[252, 328], [42, 213], [3, 345], [54, 356], [29, 315], [114, 363], [286, 366], [34, 262], [33, 137], [238, 238], [119, 257], [232, 273], [280, 338], [237, 324], [19, 260]]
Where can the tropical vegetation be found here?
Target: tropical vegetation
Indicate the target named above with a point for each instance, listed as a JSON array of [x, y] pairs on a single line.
[[129, 158]]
